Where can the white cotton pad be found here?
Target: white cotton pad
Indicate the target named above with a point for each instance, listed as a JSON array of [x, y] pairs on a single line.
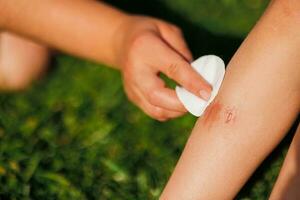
[[212, 69]]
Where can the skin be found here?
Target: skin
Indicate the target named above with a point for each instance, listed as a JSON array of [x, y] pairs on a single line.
[[237, 131], [287, 184], [237, 125], [31, 62], [96, 31]]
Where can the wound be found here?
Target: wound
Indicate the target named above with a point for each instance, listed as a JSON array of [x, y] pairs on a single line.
[[212, 113], [230, 115], [217, 112]]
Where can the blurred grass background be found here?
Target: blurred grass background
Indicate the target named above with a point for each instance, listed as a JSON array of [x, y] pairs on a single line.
[[74, 135]]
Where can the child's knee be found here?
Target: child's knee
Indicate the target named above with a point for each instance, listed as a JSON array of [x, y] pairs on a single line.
[[21, 62], [13, 81]]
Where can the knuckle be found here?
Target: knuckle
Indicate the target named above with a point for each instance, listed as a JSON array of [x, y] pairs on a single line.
[[140, 39], [153, 97], [191, 86], [202, 84], [139, 45], [173, 70], [157, 113], [129, 72], [176, 29]]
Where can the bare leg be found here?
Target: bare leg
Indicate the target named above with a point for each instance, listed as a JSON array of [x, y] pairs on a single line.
[[21, 61], [257, 103], [288, 182]]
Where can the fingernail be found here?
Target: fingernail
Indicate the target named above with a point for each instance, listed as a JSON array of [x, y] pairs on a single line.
[[205, 95]]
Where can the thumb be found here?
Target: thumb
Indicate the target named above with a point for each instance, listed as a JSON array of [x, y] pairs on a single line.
[[175, 38]]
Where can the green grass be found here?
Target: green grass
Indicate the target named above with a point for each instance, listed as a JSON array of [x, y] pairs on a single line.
[[234, 17], [74, 135]]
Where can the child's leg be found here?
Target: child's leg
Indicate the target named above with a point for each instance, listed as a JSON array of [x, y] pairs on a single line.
[[254, 109], [288, 183], [21, 61], [256, 105]]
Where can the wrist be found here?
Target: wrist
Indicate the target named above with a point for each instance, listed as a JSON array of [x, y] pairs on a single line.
[[127, 33], [118, 43]]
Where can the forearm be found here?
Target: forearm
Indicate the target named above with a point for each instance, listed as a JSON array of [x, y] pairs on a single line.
[[258, 101], [84, 28]]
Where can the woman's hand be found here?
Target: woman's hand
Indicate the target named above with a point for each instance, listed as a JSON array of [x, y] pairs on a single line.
[[146, 47]]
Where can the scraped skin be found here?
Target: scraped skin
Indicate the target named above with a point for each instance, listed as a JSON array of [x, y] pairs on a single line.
[[256, 105], [216, 112], [230, 115], [212, 113]]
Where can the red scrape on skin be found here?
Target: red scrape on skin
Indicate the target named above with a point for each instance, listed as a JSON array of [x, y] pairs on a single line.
[[230, 115], [212, 113]]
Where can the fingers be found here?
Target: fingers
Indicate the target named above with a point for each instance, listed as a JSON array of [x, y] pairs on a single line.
[[156, 112], [158, 51], [174, 37], [166, 98], [178, 69], [157, 94]]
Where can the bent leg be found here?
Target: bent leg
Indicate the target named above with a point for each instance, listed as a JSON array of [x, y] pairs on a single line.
[[21, 61], [288, 182], [256, 105]]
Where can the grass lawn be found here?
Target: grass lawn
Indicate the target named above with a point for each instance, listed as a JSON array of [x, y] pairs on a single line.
[[74, 135]]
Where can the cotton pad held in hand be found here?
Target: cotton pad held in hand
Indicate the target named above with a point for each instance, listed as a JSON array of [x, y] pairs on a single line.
[[212, 69]]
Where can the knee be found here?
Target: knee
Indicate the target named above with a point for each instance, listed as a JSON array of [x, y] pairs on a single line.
[[14, 78], [13, 82], [22, 61]]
